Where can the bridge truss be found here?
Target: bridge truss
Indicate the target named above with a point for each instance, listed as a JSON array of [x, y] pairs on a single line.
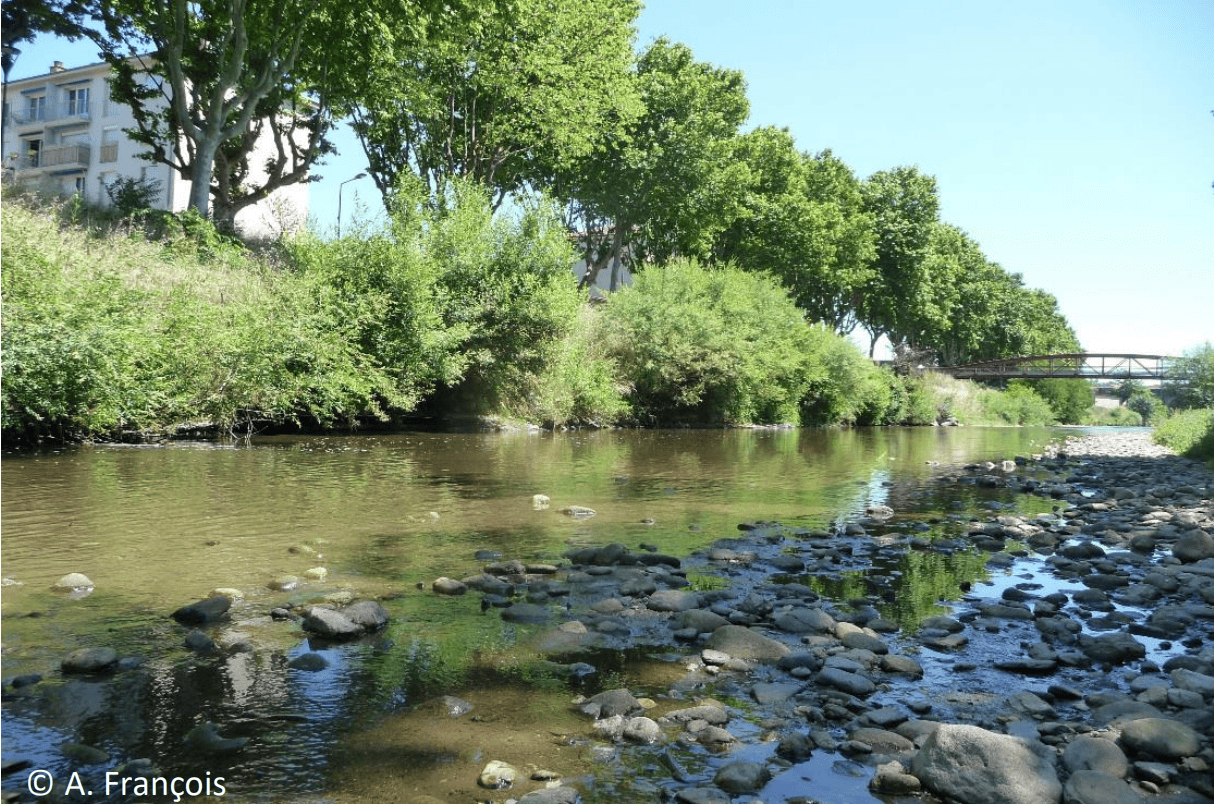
[[1088, 366]]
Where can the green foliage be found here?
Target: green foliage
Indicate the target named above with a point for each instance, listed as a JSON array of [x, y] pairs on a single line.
[[1019, 405], [1069, 399], [1112, 417], [710, 346], [579, 385], [506, 98], [104, 336], [129, 195], [1146, 405], [1189, 432], [845, 387], [1193, 385]]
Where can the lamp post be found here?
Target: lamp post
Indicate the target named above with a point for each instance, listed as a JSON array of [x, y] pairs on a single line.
[[362, 175]]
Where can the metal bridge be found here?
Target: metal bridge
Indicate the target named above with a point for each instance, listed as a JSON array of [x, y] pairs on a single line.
[[1088, 366]]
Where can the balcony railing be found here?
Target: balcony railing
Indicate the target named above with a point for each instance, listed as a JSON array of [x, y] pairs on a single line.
[[62, 156], [68, 111]]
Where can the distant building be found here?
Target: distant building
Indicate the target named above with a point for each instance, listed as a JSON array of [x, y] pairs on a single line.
[[63, 133]]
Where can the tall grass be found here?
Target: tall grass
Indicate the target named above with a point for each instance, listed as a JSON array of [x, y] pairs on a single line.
[[1188, 432]]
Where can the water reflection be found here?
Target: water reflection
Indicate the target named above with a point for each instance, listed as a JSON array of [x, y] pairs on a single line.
[[158, 527]]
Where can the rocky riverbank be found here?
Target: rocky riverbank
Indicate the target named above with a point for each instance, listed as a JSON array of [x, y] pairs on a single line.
[[1084, 673], [1080, 670]]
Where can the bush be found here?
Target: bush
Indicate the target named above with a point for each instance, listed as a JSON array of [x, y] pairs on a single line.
[[716, 346], [1069, 399], [844, 387], [1018, 405], [1194, 385], [1145, 404], [1113, 417], [1189, 432]]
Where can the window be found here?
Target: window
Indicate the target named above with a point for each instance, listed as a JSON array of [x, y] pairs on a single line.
[[36, 109], [80, 185], [33, 150], [78, 102]]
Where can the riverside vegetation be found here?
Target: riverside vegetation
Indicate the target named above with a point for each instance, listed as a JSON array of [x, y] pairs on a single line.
[[158, 325]]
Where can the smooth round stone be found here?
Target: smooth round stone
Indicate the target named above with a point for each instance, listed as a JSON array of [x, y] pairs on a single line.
[[73, 581], [90, 661]]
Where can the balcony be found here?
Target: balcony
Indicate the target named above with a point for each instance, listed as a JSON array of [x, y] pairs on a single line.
[[68, 112], [61, 157]]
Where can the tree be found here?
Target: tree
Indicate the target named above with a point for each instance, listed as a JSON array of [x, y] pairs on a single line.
[[801, 220], [904, 207], [1191, 381], [510, 97], [671, 183], [205, 79]]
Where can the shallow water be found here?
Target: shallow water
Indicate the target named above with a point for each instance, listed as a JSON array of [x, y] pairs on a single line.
[[157, 527]]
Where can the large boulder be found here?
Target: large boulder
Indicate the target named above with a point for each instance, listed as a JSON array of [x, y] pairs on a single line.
[[1087, 753], [1193, 547], [969, 764], [1098, 787], [331, 624], [743, 643], [1161, 738]]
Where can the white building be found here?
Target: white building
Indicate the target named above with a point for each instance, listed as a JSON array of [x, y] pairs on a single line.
[[62, 133]]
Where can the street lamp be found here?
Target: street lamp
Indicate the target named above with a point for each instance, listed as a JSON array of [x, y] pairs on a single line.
[[362, 175]]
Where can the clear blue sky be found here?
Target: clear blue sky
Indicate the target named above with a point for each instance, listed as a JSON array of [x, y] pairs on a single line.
[[1074, 141]]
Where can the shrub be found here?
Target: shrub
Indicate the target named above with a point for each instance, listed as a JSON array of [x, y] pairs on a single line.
[[1145, 404], [1194, 384], [1069, 399], [1189, 432], [707, 346], [1018, 405]]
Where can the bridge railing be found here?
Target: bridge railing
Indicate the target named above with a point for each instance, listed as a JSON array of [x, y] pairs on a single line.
[[1090, 366]]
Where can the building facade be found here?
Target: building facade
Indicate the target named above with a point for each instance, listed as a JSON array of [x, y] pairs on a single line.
[[63, 134]]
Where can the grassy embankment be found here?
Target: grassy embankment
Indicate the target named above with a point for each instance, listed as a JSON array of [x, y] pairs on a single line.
[[112, 327]]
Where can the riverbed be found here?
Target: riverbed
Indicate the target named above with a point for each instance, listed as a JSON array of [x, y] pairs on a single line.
[[382, 517]]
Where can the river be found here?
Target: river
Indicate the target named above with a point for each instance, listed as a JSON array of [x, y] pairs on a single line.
[[159, 526]]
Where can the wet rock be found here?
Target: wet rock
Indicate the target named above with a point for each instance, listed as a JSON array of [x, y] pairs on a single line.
[[203, 612], [970, 764], [1097, 787], [198, 640], [284, 584], [578, 512], [882, 741], [331, 624], [1027, 666], [1120, 647], [768, 693], [618, 702], [83, 754], [316, 573], [369, 615], [866, 642], [795, 748], [1160, 738], [708, 713], [701, 794], [741, 642], [700, 620], [540, 502], [227, 592], [845, 681], [1088, 753], [556, 795], [73, 582], [1193, 547], [673, 601], [741, 777], [643, 730], [900, 664], [206, 738], [891, 778], [1199, 683], [311, 661], [90, 661], [805, 620], [522, 612], [497, 775]]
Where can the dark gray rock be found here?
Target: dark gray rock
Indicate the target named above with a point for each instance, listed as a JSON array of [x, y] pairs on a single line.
[[805, 620], [1120, 647], [741, 777], [311, 661], [331, 624], [882, 741], [522, 612], [1193, 547], [673, 601], [845, 681], [369, 615], [865, 642], [618, 702], [203, 612], [198, 640]]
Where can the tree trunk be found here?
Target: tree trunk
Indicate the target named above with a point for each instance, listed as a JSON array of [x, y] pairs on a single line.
[[617, 247], [200, 175]]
